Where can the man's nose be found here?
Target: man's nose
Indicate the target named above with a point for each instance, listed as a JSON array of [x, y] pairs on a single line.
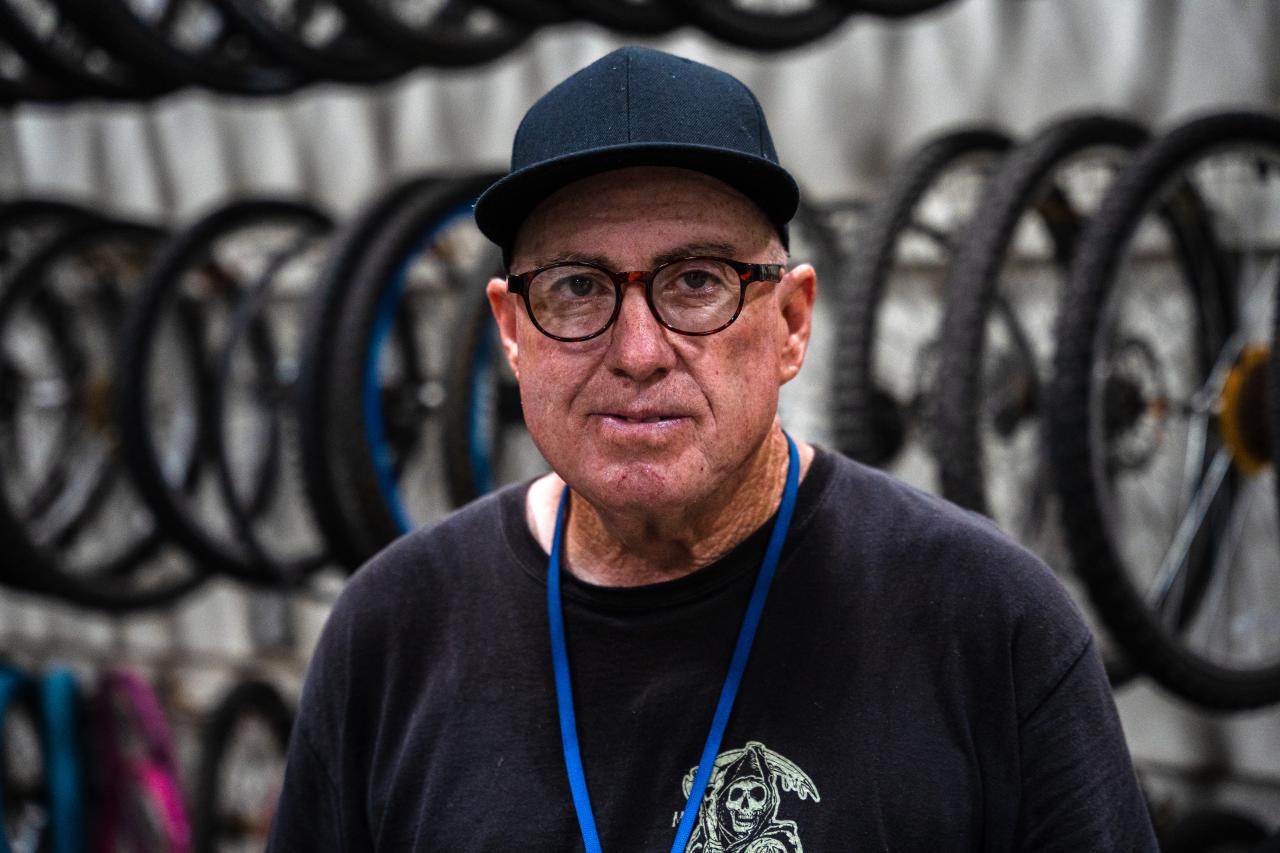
[[639, 347]]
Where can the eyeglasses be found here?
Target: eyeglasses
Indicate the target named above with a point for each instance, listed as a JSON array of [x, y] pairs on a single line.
[[692, 296]]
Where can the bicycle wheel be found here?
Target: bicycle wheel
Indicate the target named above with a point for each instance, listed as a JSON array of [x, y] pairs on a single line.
[[64, 758], [454, 33], [55, 45], [251, 407], [1273, 392], [388, 473], [93, 541], [24, 796], [891, 309], [241, 768], [632, 17], [316, 37], [139, 797], [187, 304], [21, 82], [1213, 830], [486, 444], [1002, 292], [780, 25], [894, 8], [1156, 406], [184, 42], [534, 13], [314, 397]]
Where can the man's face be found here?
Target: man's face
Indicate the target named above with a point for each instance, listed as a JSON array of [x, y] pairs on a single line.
[[641, 418]]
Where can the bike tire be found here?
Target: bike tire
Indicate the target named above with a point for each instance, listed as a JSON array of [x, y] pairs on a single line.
[[870, 425], [483, 405], [229, 63], [60, 702], [348, 56], [1273, 394], [286, 561], [894, 8], [648, 18], [1161, 652], [314, 399], [248, 699], [447, 41], [134, 572], [730, 22], [971, 285], [72, 56], [365, 470], [184, 517], [20, 698], [1212, 830], [534, 13], [138, 795]]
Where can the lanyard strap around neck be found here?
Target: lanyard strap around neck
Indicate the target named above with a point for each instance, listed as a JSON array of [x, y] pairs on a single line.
[[737, 666]]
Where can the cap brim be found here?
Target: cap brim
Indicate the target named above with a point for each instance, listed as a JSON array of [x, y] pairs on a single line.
[[502, 208]]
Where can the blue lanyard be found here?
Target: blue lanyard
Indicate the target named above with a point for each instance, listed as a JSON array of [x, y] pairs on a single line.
[[737, 666]]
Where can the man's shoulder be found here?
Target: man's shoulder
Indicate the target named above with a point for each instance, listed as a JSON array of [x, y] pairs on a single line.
[[434, 563], [898, 534], [890, 514]]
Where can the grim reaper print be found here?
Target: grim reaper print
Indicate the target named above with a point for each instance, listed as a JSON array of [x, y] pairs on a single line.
[[739, 813]]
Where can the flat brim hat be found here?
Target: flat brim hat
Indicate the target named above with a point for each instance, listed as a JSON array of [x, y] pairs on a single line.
[[639, 107]]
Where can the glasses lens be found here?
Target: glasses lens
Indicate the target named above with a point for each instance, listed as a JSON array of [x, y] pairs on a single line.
[[571, 301], [696, 295]]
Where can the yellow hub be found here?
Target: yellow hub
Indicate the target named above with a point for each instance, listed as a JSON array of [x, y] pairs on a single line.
[[1242, 410]]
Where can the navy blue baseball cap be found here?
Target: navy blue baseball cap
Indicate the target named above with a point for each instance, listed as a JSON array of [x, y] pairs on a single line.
[[639, 107]]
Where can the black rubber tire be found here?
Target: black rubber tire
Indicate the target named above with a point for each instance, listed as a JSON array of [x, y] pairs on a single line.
[[230, 64], [356, 469], [651, 18], [868, 422], [21, 82], [20, 699], [442, 42], [971, 285], [110, 584], [247, 699], [729, 22], [534, 13], [473, 412], [176, 511], [250, 322], [1271, 844], [1273, 394], [1146, 640], [73, 57], [894, 8], [349, 57], [314, 393], [1212, 830]]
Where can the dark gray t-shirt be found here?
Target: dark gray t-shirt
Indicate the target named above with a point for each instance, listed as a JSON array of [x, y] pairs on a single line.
[[918, 682]]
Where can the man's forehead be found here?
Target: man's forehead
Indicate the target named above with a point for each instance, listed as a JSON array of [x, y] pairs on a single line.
[[649, 212]]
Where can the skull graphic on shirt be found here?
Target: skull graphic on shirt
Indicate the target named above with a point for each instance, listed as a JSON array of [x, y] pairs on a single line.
[[739, 813]]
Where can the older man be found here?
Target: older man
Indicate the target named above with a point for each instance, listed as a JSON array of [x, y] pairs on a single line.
[[696, 634]]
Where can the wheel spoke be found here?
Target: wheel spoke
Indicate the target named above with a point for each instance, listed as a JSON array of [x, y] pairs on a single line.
[[1175, 559], [1221, 595]]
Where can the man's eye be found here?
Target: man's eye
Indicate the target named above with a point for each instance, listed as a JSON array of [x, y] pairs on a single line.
[[577, 286], [697, 280]]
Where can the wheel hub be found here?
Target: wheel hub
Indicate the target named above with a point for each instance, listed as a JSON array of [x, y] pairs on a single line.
[[1242, 410]]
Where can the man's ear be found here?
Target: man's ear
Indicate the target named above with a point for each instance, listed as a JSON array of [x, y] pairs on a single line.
[[505, 310], [796, 293]]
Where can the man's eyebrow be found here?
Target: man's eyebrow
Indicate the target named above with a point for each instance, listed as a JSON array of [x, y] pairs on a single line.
[[723, 250], [674, 254]]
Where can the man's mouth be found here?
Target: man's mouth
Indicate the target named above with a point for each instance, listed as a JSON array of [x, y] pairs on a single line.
[[649, 419]]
